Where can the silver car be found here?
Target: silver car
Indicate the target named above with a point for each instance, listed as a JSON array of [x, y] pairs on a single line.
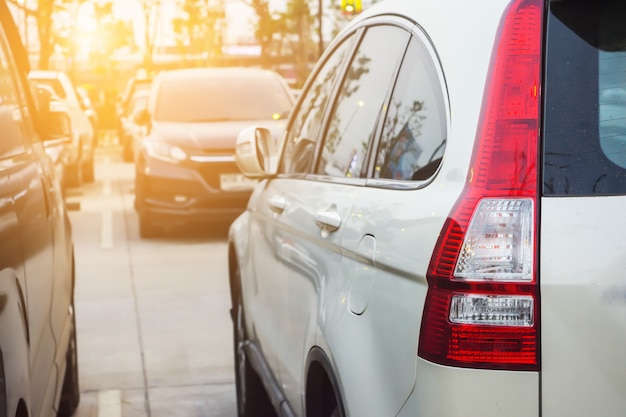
[[438, 233], [185, 171], [81, 166]]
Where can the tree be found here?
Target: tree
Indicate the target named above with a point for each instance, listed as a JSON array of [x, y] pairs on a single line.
[[43, 12], [301, 24], [112, 35], [151, 12], [291, 29], [266, 26], [199, 27]]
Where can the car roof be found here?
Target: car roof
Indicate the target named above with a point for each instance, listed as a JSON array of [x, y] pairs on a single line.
[[216, 72], [44, 74]]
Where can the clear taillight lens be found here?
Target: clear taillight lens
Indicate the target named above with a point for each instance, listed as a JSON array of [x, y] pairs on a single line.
[[498, 244], [494, 310]]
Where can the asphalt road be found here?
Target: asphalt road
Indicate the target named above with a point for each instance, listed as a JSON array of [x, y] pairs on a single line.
[[154, 333]]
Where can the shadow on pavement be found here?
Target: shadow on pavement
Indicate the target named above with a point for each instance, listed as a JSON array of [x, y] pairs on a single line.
[[195, 232]]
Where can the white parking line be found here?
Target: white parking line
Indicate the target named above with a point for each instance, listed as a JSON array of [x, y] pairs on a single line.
[[106, 234], [106, 186], [107, 230], [109, 404]]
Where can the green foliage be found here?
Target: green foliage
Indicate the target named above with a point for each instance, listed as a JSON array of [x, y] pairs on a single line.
[[289, 32], [199, 27]]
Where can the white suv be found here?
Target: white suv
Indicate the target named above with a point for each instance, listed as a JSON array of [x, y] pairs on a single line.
[[438, 233]]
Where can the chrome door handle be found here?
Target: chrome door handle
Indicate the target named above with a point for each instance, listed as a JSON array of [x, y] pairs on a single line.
[[277, 204], [328, 220]]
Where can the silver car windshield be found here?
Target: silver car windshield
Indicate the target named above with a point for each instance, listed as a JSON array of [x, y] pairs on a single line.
[[195, 100]]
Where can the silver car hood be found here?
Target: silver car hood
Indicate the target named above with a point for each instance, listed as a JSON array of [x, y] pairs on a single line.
[[209, 136]]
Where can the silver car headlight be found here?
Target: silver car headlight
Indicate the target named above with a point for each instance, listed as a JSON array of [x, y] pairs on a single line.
[[164, 151]]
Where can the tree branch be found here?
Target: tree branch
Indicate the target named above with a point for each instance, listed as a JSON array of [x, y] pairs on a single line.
[[23, 8]]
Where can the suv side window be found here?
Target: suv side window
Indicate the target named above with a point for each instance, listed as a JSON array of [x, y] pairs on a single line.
[[360, 101], [11, 116], [414, 132], [304, 130]]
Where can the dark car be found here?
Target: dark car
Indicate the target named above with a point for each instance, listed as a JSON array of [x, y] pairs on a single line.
[[89, 109], [38, 351], [139, 83], [185, 169], [131, 131]]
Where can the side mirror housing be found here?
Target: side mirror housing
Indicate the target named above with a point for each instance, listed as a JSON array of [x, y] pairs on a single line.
[[54, 117], [255, 153], [142, 117], [57, 125]]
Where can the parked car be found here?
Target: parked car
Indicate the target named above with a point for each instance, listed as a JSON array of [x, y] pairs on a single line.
[[59, 149], [139, 83], [439, 233], [132, 130], [185, 169], [89, 110], [81, 168], [38, 351]]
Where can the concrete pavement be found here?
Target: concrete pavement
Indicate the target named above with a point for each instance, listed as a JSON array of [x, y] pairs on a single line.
[[154, 334]]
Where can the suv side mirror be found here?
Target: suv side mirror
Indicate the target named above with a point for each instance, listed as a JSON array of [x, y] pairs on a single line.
[[54, 117], [255, 152], [57, 123], [142, 117]]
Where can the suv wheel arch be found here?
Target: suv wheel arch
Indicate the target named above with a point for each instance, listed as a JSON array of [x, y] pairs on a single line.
[[323, 396]]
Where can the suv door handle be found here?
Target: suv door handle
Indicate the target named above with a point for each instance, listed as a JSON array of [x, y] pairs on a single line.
[[328, 220], [277, 204]]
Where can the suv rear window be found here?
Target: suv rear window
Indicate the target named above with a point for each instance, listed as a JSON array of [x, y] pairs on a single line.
[[585, 91]]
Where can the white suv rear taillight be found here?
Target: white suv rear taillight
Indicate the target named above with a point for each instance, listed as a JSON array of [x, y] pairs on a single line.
[[482, 304]]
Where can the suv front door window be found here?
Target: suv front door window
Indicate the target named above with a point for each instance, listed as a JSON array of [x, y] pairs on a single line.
[[360, 101], [307, 122]]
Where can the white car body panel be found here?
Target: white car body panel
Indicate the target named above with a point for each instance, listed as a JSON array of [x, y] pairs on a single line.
[[386, 284], [308, 262], [583, 299], [366, 315], [447, 391]]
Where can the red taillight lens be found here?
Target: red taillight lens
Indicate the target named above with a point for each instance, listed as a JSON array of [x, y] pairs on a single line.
[[482, 305]]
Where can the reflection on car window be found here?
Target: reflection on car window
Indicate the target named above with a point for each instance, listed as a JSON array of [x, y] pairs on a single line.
[[585, 112], [306, 124], [360, 101], [11, 119], [413, 139], [612, 104], [208, 99]]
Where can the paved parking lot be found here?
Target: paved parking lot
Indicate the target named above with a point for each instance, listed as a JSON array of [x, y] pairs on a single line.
[[154, 333]]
